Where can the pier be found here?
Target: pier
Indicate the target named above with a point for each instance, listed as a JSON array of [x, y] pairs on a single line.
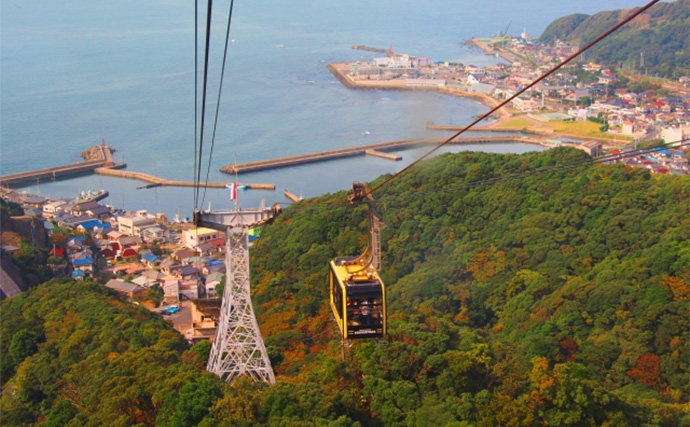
[[56, 172], [389, 156], [291, 196], [155, 181], [368, 48], [362, 150]]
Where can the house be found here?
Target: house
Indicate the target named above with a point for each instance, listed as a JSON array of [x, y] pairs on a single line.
[[171, 292], [186, 272], [114, 235], [152, 276], [70, 221], [150, 260], [593, 148], [193, 237], [75, 244], [205, 317], [143, 282], [155, 235], [213, 246], [83, 263], [524, 104], [89, 226], [182, 253], [628, 127], [214, 266], [168, 266], [35, 202], [591, 67], [133, 224], [51, 207], [190, 289], [128, 254], [213, 280], [127, 289], [128, 241], [473, 79]]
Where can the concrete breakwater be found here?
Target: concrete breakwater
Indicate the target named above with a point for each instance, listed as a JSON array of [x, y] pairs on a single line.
[[157, 181], [103, 158], [362, 150]]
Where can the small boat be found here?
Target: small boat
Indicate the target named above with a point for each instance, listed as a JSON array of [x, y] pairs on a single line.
[[91, 195], [280, 45]]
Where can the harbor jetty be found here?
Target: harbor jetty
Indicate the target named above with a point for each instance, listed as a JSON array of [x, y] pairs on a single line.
[[368, 48], [102, 159], [362, 150], [155, 181]]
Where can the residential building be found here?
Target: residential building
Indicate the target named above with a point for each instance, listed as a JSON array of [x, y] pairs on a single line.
[[134, 223], [192, 238], [127, 289], [205, 316]]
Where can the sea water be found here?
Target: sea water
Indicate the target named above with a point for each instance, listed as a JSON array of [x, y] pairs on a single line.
[[76, 71]]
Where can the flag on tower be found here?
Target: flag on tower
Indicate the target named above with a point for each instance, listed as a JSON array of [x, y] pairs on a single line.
[[233, 190]]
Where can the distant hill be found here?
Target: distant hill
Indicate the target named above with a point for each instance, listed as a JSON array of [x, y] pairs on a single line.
[[661, 34]]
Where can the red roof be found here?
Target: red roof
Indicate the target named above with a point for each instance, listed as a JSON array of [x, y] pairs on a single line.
[[57, 252], [658, 103], [129, 252], [612, 152]]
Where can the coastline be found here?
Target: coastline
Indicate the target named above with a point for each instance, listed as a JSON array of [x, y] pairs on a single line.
[[350, 83]]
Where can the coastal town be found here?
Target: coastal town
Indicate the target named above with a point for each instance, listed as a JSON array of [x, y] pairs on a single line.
[[171, 267], [580, 104], [177, 269]]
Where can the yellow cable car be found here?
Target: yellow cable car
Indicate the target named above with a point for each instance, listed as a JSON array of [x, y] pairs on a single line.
[[357, 293]]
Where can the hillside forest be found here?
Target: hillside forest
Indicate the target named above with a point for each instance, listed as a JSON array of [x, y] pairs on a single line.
[[660, 35], [549, 299]]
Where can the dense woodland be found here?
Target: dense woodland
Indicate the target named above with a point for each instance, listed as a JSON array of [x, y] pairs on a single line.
[[556, 299], [660, 33]]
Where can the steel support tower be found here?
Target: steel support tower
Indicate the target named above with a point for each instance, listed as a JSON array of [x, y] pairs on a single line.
[[238, 348]]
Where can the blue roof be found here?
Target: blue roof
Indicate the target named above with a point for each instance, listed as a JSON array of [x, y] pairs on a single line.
[[91, 224], [150, 257], [76, 273], [87, 260], [76, 239], [215, 262]]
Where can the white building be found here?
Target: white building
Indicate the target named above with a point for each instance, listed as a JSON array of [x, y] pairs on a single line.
[[133, 224]]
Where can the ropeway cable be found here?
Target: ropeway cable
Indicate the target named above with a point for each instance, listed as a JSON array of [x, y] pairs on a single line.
[[220, 90], [542, 77]]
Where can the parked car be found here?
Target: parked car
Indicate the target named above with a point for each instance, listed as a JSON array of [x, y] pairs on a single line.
[[171, 310]]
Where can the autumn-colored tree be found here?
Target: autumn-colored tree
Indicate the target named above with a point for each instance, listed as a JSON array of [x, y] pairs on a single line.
[[646, 370]]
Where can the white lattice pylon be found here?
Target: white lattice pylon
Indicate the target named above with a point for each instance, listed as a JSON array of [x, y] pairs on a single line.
[[237, 347]]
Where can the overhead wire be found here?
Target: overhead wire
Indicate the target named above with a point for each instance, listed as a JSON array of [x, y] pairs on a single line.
[[540, 171], [196, 91], [220, 90], [203, 100], [397, 174], [523, 90], [517, 176]]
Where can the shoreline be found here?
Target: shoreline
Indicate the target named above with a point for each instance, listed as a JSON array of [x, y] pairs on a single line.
[[349, 83]]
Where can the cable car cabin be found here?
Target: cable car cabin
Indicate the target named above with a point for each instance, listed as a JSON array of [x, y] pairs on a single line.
[[358, 300]]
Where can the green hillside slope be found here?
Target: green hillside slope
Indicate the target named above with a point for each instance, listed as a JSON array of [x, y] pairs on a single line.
[[554, 299], [557, 299], [661, 35]]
